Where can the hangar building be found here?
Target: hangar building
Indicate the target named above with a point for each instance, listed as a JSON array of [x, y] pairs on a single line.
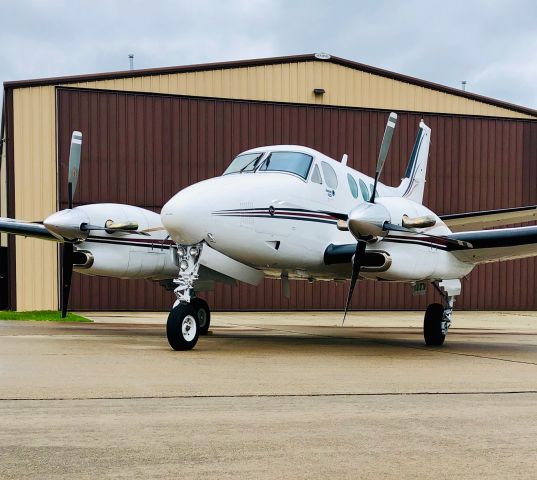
[[148, 133]]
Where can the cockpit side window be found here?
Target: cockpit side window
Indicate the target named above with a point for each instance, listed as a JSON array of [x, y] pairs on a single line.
[[247, 162], [291, 162], [316, 175], [330, 176]]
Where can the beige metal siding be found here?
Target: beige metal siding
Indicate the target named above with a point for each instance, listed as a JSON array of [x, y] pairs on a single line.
[[294, 83], [35, 195]]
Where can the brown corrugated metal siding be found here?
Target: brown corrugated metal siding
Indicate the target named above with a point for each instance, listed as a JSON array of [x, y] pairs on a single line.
[[140, 149]]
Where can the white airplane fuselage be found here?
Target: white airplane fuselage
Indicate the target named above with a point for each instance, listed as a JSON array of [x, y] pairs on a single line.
[[274, 221]]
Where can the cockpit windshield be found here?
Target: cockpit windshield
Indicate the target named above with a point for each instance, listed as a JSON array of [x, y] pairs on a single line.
[[292, 162], [247, 162]]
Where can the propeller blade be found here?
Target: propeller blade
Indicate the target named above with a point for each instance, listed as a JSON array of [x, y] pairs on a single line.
[[383, 152], [67, 273], [356, 265], [74, 166]]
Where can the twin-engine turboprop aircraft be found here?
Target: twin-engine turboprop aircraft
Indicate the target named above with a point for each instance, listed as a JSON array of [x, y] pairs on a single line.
[[290, 213]]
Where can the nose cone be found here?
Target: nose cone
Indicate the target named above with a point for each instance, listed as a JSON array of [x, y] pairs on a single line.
[[186, 216], [368, 219], [65, 224]]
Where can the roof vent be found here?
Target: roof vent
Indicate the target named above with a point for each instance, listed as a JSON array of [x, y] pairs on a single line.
[[322, 56]]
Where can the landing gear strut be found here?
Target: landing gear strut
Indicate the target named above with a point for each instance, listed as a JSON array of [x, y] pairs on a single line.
[[437, 318], [190, 316]]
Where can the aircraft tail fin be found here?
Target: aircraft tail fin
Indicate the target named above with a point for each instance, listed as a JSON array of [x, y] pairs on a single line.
[[413, 183]]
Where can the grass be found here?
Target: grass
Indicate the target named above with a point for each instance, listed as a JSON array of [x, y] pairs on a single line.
[[42, 315]]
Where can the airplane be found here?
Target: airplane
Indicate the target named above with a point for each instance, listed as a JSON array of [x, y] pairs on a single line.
[[285, 212]]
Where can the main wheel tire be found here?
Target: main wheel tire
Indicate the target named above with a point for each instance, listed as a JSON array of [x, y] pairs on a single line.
[[203, 313], [432, 325], [182, 328]]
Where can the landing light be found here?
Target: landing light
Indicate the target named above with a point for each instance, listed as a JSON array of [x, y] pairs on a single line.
[[183, 265], [181, 251], [194, 251]]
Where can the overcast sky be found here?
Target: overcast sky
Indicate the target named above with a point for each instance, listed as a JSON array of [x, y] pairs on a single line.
[[491, 44]]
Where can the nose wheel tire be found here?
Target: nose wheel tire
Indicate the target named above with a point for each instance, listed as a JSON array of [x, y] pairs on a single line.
[[432, 325], [203, 313], [182, 328]]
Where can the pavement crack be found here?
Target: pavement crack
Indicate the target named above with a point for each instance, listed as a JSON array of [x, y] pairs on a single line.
[[272, 395]]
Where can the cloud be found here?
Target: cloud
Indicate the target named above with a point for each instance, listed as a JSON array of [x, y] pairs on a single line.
[[491, 44]]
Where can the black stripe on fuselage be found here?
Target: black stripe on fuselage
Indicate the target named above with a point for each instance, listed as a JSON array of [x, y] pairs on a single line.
[[282, 217], [300, 214], [409, 240], [305, 210]]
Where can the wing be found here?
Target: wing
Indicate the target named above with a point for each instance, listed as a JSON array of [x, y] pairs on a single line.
[[461, 222], [26, 229], [496, 245]]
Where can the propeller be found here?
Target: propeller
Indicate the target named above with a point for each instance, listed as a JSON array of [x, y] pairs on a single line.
[[367, 220], [67, 247], [370, 220], [72, 225]]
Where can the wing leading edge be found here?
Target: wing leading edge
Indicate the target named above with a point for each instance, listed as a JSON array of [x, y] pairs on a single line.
[[25, 229], [461, 222]]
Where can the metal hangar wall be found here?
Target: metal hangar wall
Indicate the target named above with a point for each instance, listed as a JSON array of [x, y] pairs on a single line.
[[149, 133]]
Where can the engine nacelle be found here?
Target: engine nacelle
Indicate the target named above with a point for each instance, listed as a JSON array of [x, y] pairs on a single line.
[[124, 254]]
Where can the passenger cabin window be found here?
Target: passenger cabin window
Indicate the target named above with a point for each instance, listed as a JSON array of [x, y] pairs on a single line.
[[352, 185], [316, 175], [247, 162], [364, 190], [330, 176], [291, 162]]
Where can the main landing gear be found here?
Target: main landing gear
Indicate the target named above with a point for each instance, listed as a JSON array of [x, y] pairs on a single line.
[[437, 318], [190, 316]]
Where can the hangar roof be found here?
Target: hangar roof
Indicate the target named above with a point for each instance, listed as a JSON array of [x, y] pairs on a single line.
[[265, 62]]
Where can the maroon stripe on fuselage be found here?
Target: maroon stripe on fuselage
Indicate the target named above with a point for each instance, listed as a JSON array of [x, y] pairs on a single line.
[[275, 213]]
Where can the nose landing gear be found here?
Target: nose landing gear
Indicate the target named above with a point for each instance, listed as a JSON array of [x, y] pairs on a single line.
[[190, 316]]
